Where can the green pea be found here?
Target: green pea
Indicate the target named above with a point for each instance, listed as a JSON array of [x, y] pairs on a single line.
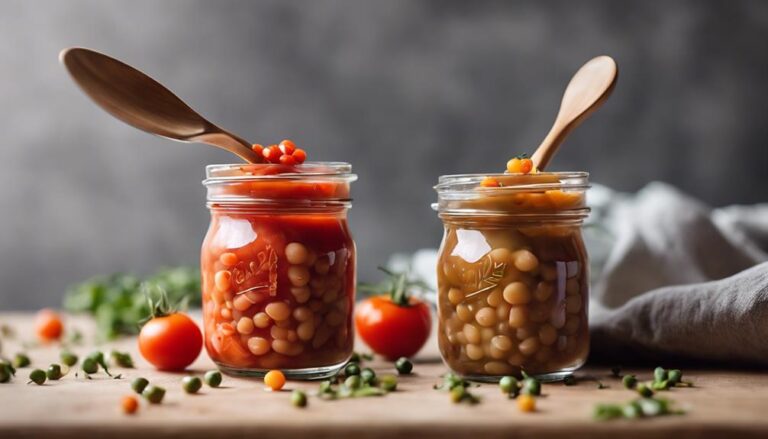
[[37, 376], [531, 386], [5, 374], [652, 407], [6, 371], [352, 369], [139, 384], [154, 394], [569, 380], [122, 359], [403, 366], [68, 358], [21, 360], [509, 385], [213, 378], [458, 394], [368, 376], [644, 390], [659, 374], [191, 384], [675, 376], [608, 411], [353, 382], [632, 410], [629, 381], [90, 366], [299, 398], [53, 372], [660, 385], [96, 356], [355, 358], [388, 383]]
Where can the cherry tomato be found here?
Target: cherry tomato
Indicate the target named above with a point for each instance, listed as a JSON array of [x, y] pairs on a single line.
[[48, 325], [393, 330], [170, 342]]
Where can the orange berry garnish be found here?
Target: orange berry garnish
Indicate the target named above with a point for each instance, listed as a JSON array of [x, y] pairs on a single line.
[[129, 404], [490, 182], [272, 154], [257, 148], [300, 155], [287, 160], [274, 379], [520, 165], [287, 147]]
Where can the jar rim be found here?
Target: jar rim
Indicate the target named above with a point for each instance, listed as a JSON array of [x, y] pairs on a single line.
[[464, 182], [458, 195], [220, 173]]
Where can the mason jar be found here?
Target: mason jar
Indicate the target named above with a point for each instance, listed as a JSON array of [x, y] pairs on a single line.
[[512, 275], [278, 269]]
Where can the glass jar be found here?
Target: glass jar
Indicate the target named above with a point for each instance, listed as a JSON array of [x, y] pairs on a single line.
[[278, 269], [512, 275]]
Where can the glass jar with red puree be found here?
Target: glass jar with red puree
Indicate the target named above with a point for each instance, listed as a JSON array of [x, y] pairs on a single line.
[[278, 269], [512, 274]]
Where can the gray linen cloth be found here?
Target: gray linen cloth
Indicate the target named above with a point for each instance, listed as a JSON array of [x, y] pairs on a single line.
[[672, 279]]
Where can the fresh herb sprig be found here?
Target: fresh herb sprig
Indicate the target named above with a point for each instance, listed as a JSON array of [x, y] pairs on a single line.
[[118, 303]]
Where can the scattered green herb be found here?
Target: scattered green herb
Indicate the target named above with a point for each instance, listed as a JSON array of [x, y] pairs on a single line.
[[638, 408], [457, 387], [118, 304], [616, 371]]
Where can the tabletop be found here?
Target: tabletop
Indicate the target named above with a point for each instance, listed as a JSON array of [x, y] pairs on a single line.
[[723, 403]]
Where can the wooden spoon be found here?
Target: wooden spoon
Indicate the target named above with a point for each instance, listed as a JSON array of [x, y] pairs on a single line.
[[588, 89], [143, 103]]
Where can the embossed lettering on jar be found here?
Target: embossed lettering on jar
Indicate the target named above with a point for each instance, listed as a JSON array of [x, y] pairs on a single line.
[[278, 268], [513, 275]]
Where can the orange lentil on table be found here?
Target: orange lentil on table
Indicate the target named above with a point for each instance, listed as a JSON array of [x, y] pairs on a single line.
[[526, 403], [129, 404], [274, 379]]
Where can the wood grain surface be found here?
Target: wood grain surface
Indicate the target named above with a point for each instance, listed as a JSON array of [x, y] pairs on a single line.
[[724, 403]]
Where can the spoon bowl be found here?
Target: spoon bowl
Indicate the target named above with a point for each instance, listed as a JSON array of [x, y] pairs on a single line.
[[138, 100]]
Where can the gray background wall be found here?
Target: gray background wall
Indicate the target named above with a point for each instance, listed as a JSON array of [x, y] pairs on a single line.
[[404, 90]]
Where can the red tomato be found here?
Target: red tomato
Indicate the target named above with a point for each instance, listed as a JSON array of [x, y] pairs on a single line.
[[170, 342], [48, 325], [393, 330]]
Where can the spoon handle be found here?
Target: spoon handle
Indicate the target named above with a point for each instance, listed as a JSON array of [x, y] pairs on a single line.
[[588, 89]]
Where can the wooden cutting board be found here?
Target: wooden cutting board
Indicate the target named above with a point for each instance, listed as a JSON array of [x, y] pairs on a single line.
[[724, 403]]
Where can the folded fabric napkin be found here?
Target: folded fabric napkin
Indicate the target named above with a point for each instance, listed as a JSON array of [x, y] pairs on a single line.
[[671, 277]]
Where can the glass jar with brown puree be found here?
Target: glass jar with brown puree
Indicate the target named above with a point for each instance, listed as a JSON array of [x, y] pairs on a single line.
[[512, 274]]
